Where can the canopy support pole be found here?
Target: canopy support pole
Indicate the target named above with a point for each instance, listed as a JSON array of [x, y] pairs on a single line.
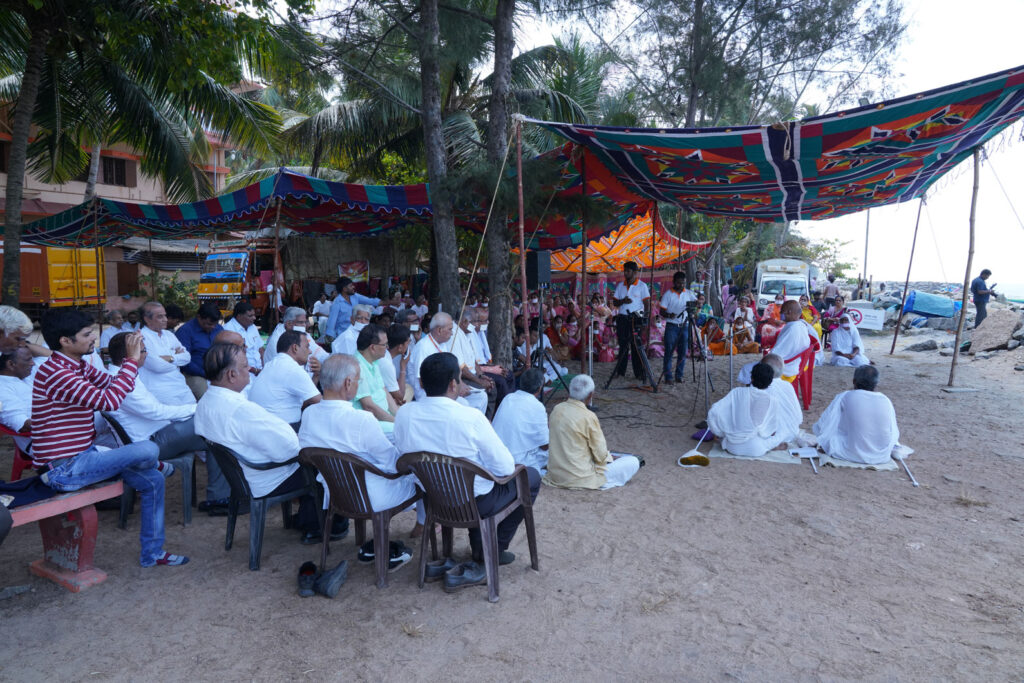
[[101, 283], [650, 313], [679, 238], [906, 283], [152, 270], [970, 262], [522, 240], [588, 359], [278, 289]]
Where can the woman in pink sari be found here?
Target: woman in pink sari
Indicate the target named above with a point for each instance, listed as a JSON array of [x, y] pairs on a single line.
[[771, 322]]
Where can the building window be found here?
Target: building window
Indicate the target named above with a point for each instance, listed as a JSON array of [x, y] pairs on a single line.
[[114, 172], [5, 151]]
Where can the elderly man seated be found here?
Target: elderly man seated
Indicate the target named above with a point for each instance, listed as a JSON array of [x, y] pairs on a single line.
[[439, 340], [793, 339], [16, 394], [753, 420], [346, 342], [165, 356], [578, 457], [143, 416], [462, 348], [521, 422], [846, 344], [335, 423], [859, 425], [438, 424], [294, 319], [780, 387], [372, 396], [284, 388], [224, 416], [243, 322]]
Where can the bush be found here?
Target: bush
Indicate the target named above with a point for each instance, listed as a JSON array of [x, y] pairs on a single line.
[[171, 290]]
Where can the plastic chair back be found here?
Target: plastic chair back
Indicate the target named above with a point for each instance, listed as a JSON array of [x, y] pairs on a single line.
[[345, 475], [228, 461], [448, 483], [22, 460]]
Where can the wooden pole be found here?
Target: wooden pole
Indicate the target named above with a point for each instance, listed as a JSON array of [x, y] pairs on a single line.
[[867, 231], [906, 284], [152, 269], [278, 283], [522, 240], [679, 236], [970, 262], [650, 313], [587, 317]]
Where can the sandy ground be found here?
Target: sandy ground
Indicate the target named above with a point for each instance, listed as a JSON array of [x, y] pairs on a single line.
[[741, 571]]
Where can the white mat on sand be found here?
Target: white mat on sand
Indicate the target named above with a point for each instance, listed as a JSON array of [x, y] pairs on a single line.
[[783, 457], [901, 450], [771, 456]]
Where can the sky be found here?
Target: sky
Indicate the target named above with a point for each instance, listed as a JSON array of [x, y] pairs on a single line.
[[946, 42]]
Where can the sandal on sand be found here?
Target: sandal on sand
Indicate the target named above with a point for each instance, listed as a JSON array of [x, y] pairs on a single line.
[[694, 459], [168, 560]]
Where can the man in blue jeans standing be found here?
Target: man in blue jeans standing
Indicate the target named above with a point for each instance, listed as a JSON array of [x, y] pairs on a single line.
[[67, 391], [981, 292], [677, 335]]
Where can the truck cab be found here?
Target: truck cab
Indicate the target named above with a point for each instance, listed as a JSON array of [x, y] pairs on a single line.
[[781, 276], [235, 270]]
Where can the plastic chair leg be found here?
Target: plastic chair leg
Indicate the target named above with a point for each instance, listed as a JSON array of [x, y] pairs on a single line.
[[187, 488], [428, 524], [489, 540], [381, 547], [447, 540], [232, 518], [21, 463], [531, 536], [360, 532], [127, 504], [257, 520]]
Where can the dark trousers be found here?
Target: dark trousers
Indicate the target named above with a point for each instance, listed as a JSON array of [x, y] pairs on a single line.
[[307, 518], [981, 314], [494, 500], [179, 438], [677, 343], [6, 522], [503, 386], [624, 330]]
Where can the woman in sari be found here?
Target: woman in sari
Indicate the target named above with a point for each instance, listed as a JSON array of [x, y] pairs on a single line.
[[743, 322], [810, 314], [572, 336], [771, 321], [704, 312], [559, 338]]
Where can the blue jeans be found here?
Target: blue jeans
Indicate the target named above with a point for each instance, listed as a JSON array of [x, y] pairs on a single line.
[[677, 338], [136, 464]]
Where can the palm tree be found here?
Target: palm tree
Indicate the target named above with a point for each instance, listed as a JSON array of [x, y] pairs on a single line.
[[133, 71]]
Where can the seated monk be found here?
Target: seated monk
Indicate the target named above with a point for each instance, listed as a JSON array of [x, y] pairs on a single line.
[[846, 344], [753, 420], [336, 423], [578, 457], [521, 422], [793, 340], [859, 425]]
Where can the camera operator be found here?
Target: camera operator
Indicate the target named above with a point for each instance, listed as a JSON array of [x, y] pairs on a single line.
[[634, 301], [677, 304]]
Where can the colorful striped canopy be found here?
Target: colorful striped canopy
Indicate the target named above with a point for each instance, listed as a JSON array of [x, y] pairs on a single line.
[[631, 242], [308, 205], [817, 168]]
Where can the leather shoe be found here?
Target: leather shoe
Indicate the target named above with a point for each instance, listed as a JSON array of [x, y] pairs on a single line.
[[436, 569], [464, 575], [329, 583], [504, 557], [307, 578]]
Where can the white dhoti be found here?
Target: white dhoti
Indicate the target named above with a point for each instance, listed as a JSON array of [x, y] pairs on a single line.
[[843, 362], [620, 471], [477, 398]]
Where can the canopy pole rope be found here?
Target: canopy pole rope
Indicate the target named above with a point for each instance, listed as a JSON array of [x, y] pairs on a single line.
[[1009, 201], [522, 240], [906, 284], [587, 316], [278, 289], [483, 235], [970, 262]]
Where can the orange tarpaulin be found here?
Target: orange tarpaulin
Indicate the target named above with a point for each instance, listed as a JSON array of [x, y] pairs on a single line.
[[631, 242]]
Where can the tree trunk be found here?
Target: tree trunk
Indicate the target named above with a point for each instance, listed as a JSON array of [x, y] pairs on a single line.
[[447, 283], [94, 171], [20, 130], [499, 325]]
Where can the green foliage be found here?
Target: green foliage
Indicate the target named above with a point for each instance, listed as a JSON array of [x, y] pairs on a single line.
[[170, 290], [825, 254]]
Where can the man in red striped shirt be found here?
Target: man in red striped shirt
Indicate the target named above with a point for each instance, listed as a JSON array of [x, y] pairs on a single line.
[[66, 393]]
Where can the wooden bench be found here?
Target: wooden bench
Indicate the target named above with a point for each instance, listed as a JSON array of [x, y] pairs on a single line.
[[68, 525]]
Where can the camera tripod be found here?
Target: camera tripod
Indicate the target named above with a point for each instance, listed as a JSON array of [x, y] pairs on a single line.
[[636, 345]]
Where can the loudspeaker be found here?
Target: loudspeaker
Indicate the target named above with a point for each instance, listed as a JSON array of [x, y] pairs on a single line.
[[538, 269]]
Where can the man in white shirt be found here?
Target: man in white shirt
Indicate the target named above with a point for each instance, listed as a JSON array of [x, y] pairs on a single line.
[[165, 355], [224, 416], [284, 388], [504, 382], [847, 348], [438, 424], [463, 349], [859, 425], [335, 423], [792, 340], [16, 394], [372, 396], [677, 337], [410, 321], [521, 422], [346, 341], [321, 312], [438, 340], [753, 420], [243, 321], [114, 321], [295, 319], [421, 306], [395, 363], [633, 299]]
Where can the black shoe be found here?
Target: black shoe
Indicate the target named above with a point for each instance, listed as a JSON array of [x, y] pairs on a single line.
[[703, 424], [307, 578], [464, 575], [339, 528], [329, 583], [311, 538], [215, 508], [398, 551], [504, 557], [436, 569]]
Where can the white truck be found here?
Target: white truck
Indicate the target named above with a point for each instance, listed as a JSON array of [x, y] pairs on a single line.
[[779, 275]]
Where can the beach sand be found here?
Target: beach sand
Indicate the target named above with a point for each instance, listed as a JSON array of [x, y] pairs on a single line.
[[741, 570]]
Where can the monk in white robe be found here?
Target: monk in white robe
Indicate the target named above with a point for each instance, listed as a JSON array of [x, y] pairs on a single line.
[[859, 425], [846, 344], [779, 387], [754, 420], [521, 422], [792, 340]]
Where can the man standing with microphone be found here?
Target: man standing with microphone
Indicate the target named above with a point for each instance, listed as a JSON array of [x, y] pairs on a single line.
[[633, 299], [677, 334]]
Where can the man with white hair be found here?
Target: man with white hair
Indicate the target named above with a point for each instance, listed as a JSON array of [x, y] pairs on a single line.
[[15, 327], [463, 349], [336, 423], [780, 387], [243, 321], [846, 344], [859, 425], [346, 341], [521, 422], [437, 341], [165, 356], [793, 339], [295, 319], [753, 420], [578, 456]]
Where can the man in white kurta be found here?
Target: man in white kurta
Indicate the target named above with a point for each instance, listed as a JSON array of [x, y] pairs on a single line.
[[295, 319], [859, 425], [462, 348], [552, 369], [284, 388], [16, 394], [437, 341], [438, 424], [793, 340], [521, 422], [753, 420], [243, 321], [346, 341], [846, 344], [336, 423], [164, 356]]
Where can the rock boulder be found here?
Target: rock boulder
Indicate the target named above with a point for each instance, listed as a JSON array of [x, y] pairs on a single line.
[[926, 345], [994, 331]]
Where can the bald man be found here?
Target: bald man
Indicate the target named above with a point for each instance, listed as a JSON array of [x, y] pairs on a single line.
[[792, 340]]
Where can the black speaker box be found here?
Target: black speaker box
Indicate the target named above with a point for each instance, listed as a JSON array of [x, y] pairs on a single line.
[[538, 269]]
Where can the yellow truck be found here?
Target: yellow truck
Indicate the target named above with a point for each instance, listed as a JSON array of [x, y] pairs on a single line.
[[55, 276]]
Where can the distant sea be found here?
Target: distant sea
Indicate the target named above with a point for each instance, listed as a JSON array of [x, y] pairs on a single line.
[[1013, 292]]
